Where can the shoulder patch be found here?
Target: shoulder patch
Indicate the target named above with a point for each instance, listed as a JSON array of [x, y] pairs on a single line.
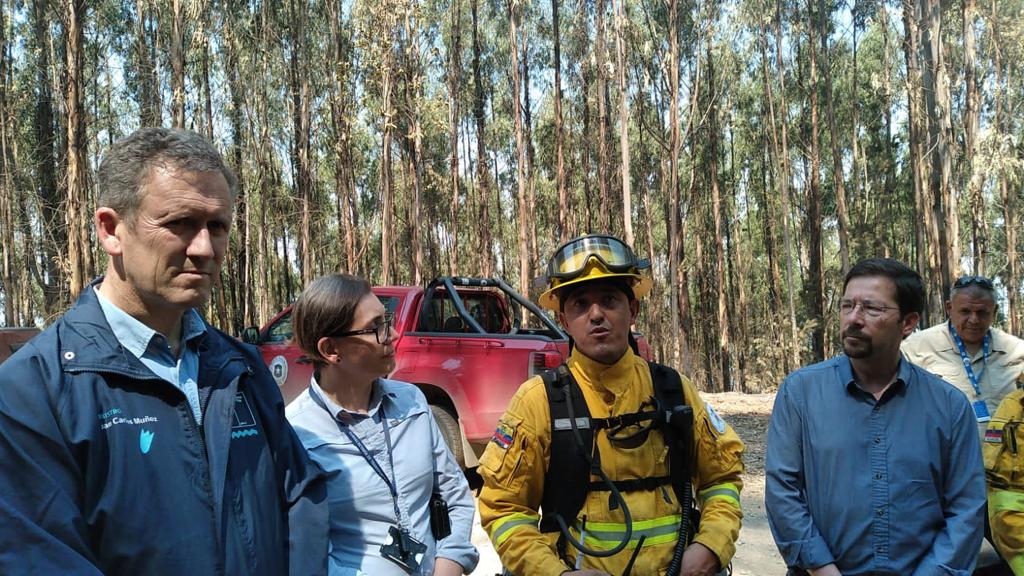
[[994, 435], [715, 419], [503, 435]]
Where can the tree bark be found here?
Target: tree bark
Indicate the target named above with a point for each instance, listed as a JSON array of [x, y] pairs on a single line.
[[937, 103], [816, 287], [837, 154], [76, 206], [563, 195], [454, 77], [620, 52], [482, 171], [601, 56], [179, 48], [524, 249], [972, 172]]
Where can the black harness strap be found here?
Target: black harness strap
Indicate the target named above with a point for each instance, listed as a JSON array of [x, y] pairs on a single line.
[[567, 480]]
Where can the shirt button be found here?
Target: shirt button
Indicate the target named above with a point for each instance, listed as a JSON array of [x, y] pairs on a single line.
[[878, 475], [878, 440], [880, 512]]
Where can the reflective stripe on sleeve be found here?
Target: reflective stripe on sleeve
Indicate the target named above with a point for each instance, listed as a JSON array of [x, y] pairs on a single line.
[[1006, 500], [727, 491], [504, 526], [607, 535]]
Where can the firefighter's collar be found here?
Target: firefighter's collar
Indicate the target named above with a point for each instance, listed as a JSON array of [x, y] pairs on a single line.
[[616, 378]]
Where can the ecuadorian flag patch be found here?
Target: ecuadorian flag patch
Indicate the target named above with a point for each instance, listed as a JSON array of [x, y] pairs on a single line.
[[503, 435], [994, 435]]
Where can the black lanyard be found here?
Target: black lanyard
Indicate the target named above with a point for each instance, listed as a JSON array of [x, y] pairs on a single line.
[[366, 453]]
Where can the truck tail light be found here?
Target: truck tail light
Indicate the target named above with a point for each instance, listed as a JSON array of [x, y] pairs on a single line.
[[543, 361]]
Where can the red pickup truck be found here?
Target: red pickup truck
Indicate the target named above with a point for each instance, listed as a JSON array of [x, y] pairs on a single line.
[[467, 343]]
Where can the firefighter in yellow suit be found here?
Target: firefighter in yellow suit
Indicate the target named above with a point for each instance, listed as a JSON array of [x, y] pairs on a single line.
[[1003, 450], [594, 284]]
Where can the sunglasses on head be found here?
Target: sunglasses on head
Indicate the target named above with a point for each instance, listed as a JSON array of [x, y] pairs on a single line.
[[965, 281]]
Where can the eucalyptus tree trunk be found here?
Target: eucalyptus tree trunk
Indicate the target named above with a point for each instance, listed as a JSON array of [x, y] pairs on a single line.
[[973, 172], [298, 77], [785, 177], [620, 53], [563, 194], [601, 57], [454, 78], [940, 138], [837, 153], [179, 48], [76, 205], [816, 286], [517, 113], [482, 171], [55, 234], [148, 89]]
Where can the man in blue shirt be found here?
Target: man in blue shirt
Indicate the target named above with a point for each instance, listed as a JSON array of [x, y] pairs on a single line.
[[137, 438], [874, 464]]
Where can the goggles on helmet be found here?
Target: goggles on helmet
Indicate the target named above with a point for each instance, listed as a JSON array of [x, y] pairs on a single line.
[[571, 259], [589, 258]]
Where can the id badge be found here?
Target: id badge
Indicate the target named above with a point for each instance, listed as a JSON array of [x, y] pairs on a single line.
[[981, 411], [404, 550]]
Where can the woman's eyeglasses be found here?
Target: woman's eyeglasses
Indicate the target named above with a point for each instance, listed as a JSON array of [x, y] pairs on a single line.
[[381, 331]]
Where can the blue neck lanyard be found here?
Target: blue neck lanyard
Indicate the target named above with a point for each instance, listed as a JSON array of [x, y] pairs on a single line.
[[966, 359], [366, 453]]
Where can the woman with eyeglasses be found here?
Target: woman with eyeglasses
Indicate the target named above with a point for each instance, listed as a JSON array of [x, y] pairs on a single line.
[[388, 464]]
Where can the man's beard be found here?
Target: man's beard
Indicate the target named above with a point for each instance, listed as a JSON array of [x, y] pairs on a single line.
[[862, 347]]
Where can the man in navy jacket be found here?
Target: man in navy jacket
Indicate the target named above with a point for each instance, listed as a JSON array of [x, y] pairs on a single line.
[[135, 438]]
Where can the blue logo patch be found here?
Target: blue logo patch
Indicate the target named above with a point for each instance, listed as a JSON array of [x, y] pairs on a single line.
[[243, 423], [145, 440]]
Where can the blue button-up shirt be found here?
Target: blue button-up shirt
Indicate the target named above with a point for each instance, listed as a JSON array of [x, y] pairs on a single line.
[[887, 487], [151, 348], [361, 507]]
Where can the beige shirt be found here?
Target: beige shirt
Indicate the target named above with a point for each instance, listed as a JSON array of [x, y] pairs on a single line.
[[934, 350]]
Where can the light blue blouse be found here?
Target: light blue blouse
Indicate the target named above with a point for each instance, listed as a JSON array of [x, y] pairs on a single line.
[[361, 508]]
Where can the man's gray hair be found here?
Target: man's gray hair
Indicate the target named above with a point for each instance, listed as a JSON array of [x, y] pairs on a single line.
[[128, 164], [979, 285]]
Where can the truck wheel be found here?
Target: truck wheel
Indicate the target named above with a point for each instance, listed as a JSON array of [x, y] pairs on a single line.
[[450, 430]]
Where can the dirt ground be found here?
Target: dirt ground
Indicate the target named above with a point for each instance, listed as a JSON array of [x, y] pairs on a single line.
[[756, 554]]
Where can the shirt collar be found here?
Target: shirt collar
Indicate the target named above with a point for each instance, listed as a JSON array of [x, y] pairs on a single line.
[[378, 394], [613, 377], [903, 376], [136, 337]]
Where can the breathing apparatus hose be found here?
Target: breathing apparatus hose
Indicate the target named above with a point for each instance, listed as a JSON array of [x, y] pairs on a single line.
[[682, 420], [615, 494]]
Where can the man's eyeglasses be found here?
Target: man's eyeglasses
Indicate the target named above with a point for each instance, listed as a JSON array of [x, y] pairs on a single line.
[[872, 309], [965, 281], [381, 331]]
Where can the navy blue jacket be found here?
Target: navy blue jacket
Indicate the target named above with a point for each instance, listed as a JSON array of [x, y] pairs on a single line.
[[103, 468]]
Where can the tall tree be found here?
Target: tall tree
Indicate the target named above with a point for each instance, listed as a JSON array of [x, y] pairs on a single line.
[[824, 17], [521, 160], [76, 204], [620, 54], [816, 287], [940, 138], [563, 194]]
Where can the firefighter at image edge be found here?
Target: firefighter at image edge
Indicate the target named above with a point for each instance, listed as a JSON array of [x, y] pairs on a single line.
[[599, 447]]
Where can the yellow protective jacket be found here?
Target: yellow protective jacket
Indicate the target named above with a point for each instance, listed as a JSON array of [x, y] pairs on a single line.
[[1004, 469], [516, 460]]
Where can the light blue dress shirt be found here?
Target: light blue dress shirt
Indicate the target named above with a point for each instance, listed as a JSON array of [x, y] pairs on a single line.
[[361, 507], [887, 487], [151, 348]]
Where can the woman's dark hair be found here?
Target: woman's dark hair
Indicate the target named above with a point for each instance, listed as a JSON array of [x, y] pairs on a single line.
[[909, 287], [327, 306]]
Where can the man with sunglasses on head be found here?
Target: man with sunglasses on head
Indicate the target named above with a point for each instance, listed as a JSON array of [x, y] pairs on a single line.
[[595, 467], [966, 351], [873, 465]]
